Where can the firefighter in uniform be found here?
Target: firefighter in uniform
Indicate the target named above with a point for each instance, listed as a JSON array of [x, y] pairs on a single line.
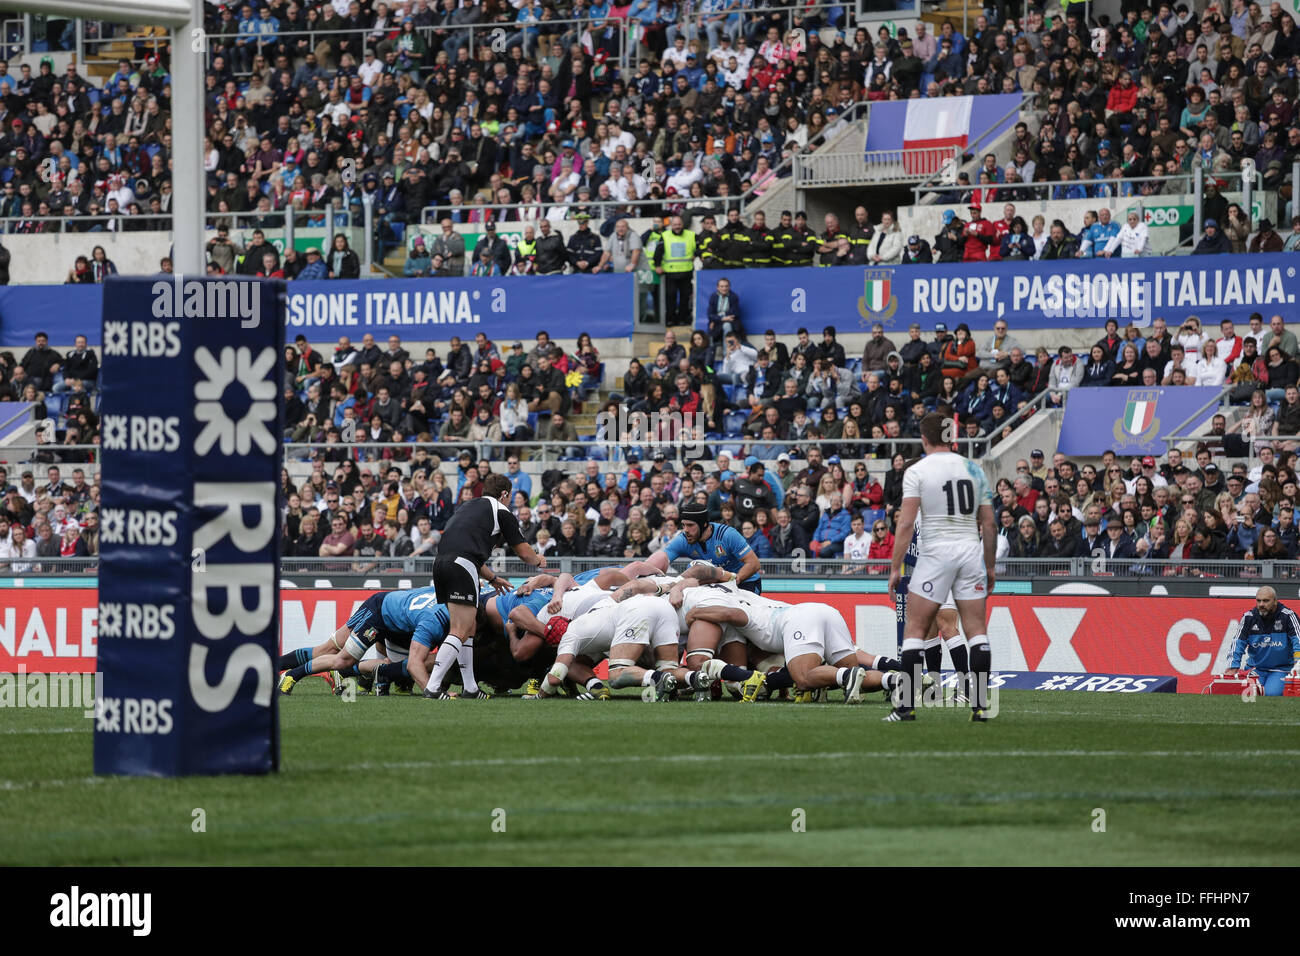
[[733, 237], [759, 254], [805, 247], [784, 241], [707, 241], [860, 235]]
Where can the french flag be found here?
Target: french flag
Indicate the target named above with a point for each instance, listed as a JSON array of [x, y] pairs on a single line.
[[930, 125]]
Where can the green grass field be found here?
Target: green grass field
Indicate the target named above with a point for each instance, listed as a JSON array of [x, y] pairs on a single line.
[[401, 780]]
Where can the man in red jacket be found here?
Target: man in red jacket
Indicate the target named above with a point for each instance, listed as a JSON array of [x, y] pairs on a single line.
[[980, 235], [1121, 101]]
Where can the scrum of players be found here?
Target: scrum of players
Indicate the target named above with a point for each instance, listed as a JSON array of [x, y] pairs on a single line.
[[548, 635], [693, 633]]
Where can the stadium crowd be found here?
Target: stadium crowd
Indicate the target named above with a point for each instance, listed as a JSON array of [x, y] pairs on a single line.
[[774, 440], [323, 106]]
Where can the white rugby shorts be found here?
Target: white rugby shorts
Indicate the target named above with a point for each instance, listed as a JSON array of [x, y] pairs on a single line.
[[957, 576]]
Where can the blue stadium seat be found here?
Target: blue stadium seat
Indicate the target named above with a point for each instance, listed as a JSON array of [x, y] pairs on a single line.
[[733, 422], [593, 448], [56, 404]]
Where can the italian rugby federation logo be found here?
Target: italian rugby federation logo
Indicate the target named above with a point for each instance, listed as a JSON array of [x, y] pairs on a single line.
[[1138, 424], [878, 302]]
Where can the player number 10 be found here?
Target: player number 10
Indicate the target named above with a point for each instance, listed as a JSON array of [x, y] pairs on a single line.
[[964, 502]]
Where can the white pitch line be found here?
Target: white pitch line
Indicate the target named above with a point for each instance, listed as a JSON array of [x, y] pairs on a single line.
[[1152, 718], [48, 730], [827, 755], [703, 758]]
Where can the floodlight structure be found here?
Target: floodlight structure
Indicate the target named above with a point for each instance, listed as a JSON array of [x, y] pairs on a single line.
[[188, 46]]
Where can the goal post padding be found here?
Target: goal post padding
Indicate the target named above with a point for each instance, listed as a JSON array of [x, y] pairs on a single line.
[[191, 438]]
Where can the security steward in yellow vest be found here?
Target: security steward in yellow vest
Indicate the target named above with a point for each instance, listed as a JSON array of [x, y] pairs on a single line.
[[526, 253], [674, 259]]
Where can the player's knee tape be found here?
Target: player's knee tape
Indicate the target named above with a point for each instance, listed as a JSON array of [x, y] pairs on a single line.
[[621, 662], [700, 652], [559, 672], [665, 665]]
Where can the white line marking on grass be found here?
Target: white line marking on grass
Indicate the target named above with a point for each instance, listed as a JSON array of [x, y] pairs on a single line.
[[700, 758], [48, 730], [1152, 718], [827, 755]]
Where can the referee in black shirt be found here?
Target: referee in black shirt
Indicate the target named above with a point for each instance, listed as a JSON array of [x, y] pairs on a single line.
[[475, 528]]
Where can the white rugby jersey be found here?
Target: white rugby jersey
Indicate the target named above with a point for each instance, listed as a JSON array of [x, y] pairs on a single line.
[[951, 489], [578, 601]]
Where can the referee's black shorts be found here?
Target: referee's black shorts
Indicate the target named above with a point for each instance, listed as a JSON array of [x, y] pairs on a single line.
[[456, 580]]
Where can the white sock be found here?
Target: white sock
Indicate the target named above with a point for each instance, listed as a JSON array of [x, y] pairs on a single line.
[[840, 675], [465, 657], [647, 678], [448, 651]]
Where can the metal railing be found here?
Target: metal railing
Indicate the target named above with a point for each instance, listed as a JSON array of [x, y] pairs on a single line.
[[820, 169], [1044, 191], [432, 215], [799, 566], [786, 167], [286, 218]]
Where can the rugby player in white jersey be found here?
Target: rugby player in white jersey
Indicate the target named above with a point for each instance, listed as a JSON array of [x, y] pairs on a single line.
[[944, 632], [951, 496], [619, 630], [818, 648]]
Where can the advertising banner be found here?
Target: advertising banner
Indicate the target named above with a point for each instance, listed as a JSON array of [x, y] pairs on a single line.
[[188, 616], [1130, 420], [1069, 641], [419, 309], [1080, 293]]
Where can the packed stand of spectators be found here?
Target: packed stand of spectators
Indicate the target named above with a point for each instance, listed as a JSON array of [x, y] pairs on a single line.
[[1259, 362], [398, 509], [43, 522], [1187, 509], [321, 106]]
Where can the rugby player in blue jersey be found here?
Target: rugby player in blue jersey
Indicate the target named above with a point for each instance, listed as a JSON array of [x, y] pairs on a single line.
[[400, 617], [717, 543]]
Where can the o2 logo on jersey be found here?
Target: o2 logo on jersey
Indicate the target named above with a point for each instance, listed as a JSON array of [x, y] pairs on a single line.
[[927, 587], [629, 633], [798, 635]]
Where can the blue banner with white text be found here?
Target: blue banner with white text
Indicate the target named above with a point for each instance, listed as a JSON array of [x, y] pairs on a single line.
[[1078, 293], [416, 309], [188, 624], [1130, 421]]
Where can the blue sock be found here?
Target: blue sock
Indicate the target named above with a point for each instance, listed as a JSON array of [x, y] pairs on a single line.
[[732, 672], [780, 680]]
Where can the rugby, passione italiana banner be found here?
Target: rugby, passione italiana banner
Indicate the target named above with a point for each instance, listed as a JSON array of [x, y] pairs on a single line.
[[1079, 293]]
